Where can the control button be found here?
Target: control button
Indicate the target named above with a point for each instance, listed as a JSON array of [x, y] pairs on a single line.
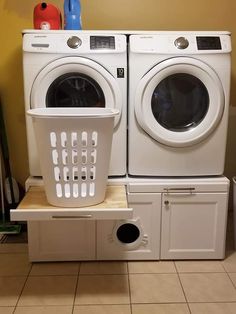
[[181, 43], [74, 42]]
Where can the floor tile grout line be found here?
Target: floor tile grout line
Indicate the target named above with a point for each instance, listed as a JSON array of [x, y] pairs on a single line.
[[102, 274], [224, 266], [95, 304], [52, 275], [200, 272], [128, 274], [152, 273], [206, 302], [31, 266], [178, 274], [234, 285], [40, 305], [76, 287], [121, 304], [153, 303]]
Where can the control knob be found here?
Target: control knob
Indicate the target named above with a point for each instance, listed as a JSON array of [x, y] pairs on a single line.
[[74, 42], [181, 43]]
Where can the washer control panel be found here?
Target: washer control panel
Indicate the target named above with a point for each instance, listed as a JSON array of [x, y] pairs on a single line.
[[74, 42], [96, 42], [181, 43]]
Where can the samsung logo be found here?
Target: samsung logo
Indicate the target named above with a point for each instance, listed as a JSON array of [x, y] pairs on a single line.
[[40, 36]]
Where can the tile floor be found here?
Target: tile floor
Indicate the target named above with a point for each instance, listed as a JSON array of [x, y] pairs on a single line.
[[162, 287]]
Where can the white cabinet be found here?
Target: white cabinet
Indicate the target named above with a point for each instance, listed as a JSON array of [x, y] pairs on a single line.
[[193, 225], [193, 215], [164, 219]]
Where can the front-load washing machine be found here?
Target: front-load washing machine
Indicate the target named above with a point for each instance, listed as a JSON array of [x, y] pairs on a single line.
[[179, 86], [76, 69]]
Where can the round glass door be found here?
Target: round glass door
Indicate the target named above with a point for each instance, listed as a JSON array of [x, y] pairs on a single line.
[[179, 102], [75, 90], [76, 82]]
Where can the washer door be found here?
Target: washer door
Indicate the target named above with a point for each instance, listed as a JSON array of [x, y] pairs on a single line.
[[76, 82], [179, 102]]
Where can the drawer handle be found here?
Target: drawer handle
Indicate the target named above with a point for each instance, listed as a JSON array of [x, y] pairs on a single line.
[[169, 190], [66, 217]]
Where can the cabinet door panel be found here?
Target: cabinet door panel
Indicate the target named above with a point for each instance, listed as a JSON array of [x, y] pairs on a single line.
[[193, 225], [61, 240], [132, 239]]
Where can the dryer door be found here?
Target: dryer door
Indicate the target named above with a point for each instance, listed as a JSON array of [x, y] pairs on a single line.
[[179, 102], [76, 82]]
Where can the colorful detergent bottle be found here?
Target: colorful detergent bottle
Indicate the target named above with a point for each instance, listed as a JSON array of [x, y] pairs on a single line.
[[47, 16], [72, 14]]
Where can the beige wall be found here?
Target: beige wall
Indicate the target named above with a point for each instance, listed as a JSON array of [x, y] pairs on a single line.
[[16, 15]]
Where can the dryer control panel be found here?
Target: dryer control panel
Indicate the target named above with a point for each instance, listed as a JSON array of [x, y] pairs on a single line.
[[181, 43]]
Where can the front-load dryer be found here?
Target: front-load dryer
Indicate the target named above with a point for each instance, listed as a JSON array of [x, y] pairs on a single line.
[[179, 86], [77, 69]]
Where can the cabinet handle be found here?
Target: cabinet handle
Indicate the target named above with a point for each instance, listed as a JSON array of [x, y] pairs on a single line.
[[169, 190], [66, 217]]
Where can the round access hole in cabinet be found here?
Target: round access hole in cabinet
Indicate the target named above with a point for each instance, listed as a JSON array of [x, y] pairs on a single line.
[[129, 234]]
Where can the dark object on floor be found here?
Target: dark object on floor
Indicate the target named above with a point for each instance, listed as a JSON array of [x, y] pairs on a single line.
[[15, 238]]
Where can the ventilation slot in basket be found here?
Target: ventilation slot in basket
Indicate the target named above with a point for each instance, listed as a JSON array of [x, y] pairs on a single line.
[[74, 157]]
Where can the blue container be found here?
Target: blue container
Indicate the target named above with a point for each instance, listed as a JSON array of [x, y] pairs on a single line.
[[72, 14]]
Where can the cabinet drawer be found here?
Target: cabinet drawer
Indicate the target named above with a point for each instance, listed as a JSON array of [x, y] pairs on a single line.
[[34, 206]]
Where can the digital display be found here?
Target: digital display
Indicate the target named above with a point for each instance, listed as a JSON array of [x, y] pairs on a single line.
[[208, 43], [102, 42]]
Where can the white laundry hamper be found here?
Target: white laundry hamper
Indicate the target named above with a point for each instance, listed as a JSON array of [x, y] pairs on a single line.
[[74, 146]]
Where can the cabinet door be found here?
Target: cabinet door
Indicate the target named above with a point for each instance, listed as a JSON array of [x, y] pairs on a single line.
[[132, 239], [61, 240], [193, 225]]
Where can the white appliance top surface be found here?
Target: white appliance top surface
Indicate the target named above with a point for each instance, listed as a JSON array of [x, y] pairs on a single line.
[[125, 32], [55, 41]]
